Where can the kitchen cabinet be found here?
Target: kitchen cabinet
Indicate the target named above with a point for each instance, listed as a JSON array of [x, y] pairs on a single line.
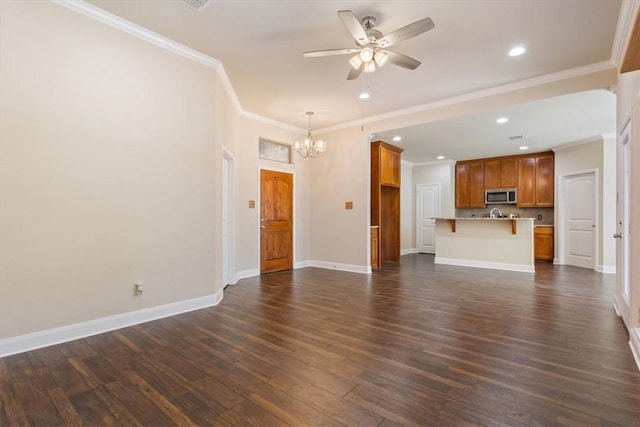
[[375, 247], [470, 184], [385, 199], [389, 166], [536, 181], [500, 173], [543, 243], [544, 180]]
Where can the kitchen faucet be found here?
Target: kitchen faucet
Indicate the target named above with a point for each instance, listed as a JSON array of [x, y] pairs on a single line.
[[491, 214]]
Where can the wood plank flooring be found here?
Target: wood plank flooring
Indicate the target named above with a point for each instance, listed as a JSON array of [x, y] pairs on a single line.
[[413, 344]]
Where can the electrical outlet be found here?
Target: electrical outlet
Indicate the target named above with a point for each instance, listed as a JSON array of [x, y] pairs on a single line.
[[137, 289], [539, 217]]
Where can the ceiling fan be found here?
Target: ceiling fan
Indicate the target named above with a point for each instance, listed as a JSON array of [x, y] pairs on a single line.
[[371, 45]]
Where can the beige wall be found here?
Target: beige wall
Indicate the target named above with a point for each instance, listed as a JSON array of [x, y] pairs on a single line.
[[111, 152], [340, 237]]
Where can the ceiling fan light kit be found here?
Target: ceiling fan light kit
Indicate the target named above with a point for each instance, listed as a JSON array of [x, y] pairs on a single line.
[[371, 44]]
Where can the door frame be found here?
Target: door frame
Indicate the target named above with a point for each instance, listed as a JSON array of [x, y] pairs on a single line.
[[415, 212], [259, 204], [229, 205], [562, 216], [621, 304]]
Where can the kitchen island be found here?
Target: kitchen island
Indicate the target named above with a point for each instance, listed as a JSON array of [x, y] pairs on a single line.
[[496, 243]]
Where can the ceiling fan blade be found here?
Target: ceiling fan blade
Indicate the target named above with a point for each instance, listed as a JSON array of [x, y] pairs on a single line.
[[407, 32], [329, 52], [402, 60], [354, 73], [353, 26]]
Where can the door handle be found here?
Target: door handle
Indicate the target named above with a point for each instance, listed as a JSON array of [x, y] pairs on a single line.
[[263, 226], [617, 236]]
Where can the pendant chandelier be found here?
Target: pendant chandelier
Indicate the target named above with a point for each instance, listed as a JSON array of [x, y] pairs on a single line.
[[309, 148]]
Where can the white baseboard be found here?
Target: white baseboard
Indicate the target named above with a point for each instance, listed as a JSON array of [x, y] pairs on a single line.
[[342, 267], [245, 274], [606, 269], [22, 343], [523, 268], [634, 343], [408, 251], [615, 306], [302, 264]]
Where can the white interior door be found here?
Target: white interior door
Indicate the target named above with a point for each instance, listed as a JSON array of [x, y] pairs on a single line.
[[427, 208], [580, 221]]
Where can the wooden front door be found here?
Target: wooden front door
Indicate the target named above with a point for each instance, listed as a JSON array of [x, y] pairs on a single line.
[[276, 221]]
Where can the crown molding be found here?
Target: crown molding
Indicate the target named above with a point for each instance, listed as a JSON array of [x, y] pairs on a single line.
[[626, 18], [472, 96], [145, 34]]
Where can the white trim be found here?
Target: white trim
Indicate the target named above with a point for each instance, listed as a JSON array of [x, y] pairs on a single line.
[[246, 274], [472, 96], [634, 343], [606, 269], [341, 267], [230, 204], [615, 307], [572, 144], [523, 268], [408, 251], [435, 162], [628, 11], [22, 343], [145, 34]]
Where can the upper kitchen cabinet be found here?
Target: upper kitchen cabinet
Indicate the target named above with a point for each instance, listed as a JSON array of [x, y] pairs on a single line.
[[532, 176], [470, 184], [389, 164], [500, 173], [535, 180]]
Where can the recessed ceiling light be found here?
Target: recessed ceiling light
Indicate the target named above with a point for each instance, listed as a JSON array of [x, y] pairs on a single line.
[[397, 138], [440, 157], [364, 95], [517, 51], [502, 120], [524, 147]]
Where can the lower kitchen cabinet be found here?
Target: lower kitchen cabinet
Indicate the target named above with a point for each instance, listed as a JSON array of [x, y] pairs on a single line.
[[543, 243]]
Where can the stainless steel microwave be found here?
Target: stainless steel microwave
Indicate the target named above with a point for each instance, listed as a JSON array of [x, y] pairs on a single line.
[[500, 196]]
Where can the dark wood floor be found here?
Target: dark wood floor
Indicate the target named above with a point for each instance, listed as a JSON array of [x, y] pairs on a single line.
[[413, 344]]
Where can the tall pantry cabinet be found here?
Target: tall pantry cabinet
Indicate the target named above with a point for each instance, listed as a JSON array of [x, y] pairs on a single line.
[[385, 200]]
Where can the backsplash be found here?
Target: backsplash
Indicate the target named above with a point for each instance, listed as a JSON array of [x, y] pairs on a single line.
[[546, 213]]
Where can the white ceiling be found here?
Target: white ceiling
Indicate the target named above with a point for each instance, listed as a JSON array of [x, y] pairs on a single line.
[[260, 45]]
